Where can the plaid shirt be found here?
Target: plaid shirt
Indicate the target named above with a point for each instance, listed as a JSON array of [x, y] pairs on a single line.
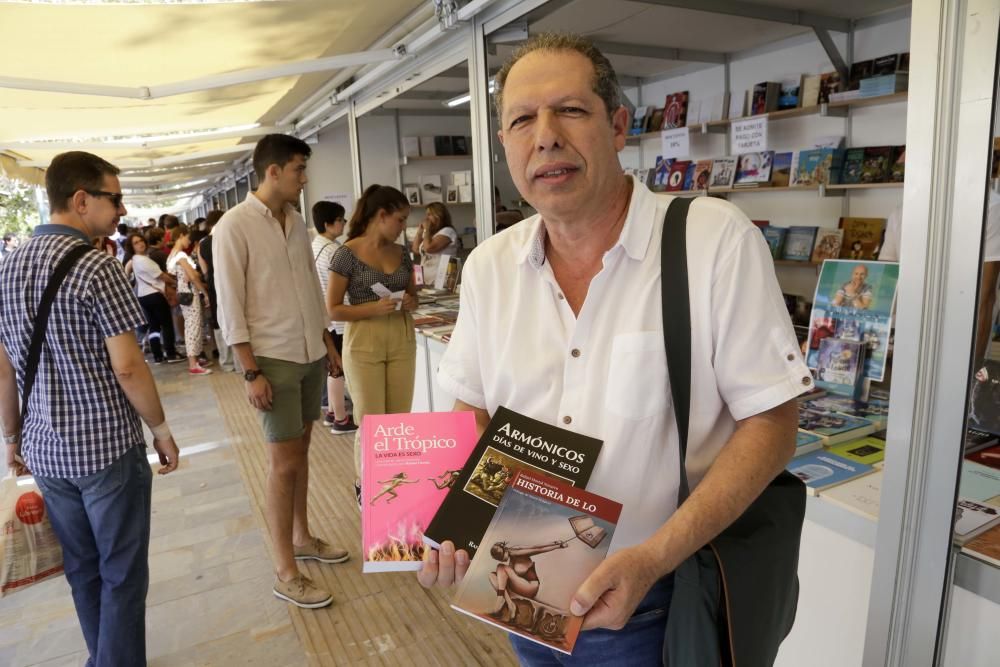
[[79, 420]]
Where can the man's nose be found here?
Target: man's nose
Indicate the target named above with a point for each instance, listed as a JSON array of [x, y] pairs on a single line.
[[548, 131]]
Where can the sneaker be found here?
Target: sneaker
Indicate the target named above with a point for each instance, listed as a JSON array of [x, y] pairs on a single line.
[[302, 592], [159, 362], [174, 359], [329, 419], [321, 551], [198, 370], [346, 426]]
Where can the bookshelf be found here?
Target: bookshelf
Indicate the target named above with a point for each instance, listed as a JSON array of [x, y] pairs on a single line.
[[822, 190]]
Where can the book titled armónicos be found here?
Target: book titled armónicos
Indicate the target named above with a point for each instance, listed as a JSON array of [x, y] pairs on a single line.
[[545, 539], [511, 442], [408, 464]]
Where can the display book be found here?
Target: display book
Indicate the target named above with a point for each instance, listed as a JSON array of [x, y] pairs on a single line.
[[408, 464], [511, 442], [853, 238], [432, 188], [545, 538]]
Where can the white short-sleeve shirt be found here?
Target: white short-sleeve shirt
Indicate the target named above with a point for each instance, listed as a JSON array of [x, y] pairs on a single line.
[[147, 276], [433, 261], [518, 344]]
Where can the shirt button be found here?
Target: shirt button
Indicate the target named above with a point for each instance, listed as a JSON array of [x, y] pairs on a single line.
[[561, 297], [807, 380], [790, 357], [575, 353], [567, 420]]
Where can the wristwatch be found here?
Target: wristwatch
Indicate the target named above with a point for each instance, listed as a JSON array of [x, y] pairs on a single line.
[[250, 376], [12, 439]]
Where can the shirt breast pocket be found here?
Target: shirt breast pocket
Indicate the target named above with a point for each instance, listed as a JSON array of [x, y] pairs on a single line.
[[637, 376]]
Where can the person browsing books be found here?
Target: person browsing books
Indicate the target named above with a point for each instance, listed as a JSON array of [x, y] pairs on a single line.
[[436, 240], [271, 312], [561, 321]]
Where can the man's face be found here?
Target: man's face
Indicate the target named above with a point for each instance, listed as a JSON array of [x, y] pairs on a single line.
[[100, 213], [291, 178], [561, 149]]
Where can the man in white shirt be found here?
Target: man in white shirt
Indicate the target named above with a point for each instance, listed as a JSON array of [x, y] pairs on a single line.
[[561, 320], [273, 314]]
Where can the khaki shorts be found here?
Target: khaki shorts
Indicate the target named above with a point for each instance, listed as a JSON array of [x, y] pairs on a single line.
[[296, 395]]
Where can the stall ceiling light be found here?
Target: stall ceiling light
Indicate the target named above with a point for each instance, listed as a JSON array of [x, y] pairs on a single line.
[[464, 98]]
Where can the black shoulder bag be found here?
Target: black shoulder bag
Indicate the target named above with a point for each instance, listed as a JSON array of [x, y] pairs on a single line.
[[42, 321], [734, 599]]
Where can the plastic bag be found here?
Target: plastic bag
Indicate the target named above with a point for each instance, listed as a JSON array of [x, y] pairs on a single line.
[[29, 550]]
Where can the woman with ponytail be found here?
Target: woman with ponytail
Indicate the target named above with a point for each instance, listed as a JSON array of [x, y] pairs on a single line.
[[379, 342]]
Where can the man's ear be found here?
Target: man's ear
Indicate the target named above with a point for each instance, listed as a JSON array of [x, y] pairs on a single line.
[[78, 202], [500, 136], [274, 171], [620, 125]]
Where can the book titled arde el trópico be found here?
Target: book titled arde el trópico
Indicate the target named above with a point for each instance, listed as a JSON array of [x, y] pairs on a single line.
[[511, 442], [543, 542], [408, 464]]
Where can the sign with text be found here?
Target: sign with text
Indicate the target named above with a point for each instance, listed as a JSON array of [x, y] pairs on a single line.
[[749, 135], [676, 143]]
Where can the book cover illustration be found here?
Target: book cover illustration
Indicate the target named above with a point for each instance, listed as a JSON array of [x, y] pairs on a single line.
[[678, 170], [821, 470], [702, 175], [788, 97], [829, 83], [511, 442], [874, 410], [814, 167], [781, 170], [723, 172], [655, 120], [841, 366], [870, 450], [431, 189], [834, 427], [544, 541], [460, 145], [859, 295], [412, 191], [799, 242], [661, 173], [897, 169], [639, 120], [973, 518], [827, 244], [987, 456], [754, 169], [859, 70], [689, 177], [976, 440], [861, 496], [854, 162], [862, 237], [409, 461], [775, 237], [876, 165], [675, 111], [809, 91], [765, 97], [884, 65]]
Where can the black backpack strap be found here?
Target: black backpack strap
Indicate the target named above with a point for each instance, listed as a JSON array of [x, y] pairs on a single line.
[[677, 322], [42, 320]]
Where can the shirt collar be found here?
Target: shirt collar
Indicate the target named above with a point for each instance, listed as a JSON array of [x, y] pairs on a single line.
[[53, 228], [261, 207], [634, 237]]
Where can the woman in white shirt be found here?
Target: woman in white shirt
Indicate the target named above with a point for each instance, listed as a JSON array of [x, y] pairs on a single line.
[[150, 285], [183, 268], [435, 242]]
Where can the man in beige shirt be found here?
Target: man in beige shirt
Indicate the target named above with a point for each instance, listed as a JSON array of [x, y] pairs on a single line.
[[273, 314]]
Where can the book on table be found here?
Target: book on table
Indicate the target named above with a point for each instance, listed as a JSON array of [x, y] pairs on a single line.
[[511, 442], [972, 518], [806, 442], [834, 427], [822, 470], [408, 464], [861, 496], [542, 543], [840, 368], [869, 450]]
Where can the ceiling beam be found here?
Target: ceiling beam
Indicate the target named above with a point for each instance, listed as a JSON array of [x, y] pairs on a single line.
[[165, 161], [178, 140], [423, 95], [754, 11], [176, 176], [660, 52]]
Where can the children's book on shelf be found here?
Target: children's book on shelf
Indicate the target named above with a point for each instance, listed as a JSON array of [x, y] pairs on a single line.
[[834, 427], [876, 165], [799, 241], [661, 173], [511, 442], [861, 496], [976, 440], [678, 170], [973, 518], [545, 539], [775, 237], [897, 169], [862, 237], [855, 296], [675, 111], [409, 461], [639, 119], [985, 547], [723, 173], [984, 406], [689, 177], [821, 470], [655, 120], [854, 162], [806, 442], [788, 98], [809, 90], [810, 169], [829, 82], [840, 368], [870, 450], [884, 65], [702, 175], [781, 170], [765, 97], [753, 169], [827, 244]]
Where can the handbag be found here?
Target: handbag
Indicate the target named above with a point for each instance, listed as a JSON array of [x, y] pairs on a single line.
[[734, 600], [29, 549]]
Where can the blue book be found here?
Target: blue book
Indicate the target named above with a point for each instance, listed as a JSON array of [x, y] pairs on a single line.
[[806, 442], [799, 243], [821, 470], [834, 427], [775, 237]]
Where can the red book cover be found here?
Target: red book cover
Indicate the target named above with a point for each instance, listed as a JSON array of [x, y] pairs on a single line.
[[675, 111], [678, 170], [545, 539]]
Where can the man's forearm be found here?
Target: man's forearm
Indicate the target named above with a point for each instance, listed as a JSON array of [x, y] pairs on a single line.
[[758, 450], [10, 416], [244, 353], [140, 389]]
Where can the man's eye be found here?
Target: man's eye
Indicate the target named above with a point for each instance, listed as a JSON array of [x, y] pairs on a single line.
[[518, 120], [572, 110]]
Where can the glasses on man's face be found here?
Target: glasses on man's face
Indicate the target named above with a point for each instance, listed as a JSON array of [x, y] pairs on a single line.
[[115, 197]]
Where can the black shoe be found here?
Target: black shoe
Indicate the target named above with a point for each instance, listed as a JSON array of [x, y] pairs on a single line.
[[346, 426]]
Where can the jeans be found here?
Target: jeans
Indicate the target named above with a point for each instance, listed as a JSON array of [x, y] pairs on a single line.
[[102, 522], [638, 644]]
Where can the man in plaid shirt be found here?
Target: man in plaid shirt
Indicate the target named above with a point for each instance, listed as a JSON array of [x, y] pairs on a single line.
[[82, 438]]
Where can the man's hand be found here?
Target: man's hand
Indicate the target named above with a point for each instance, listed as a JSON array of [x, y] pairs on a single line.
[[259, 393], [410, 302], [445, 568], [611, 593], [15, 463], [169, 455]]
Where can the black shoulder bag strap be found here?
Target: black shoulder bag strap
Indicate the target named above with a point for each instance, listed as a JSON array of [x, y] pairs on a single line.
[[734, 599], [42, 320]]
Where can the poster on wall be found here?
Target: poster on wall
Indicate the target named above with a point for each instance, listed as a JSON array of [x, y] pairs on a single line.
[[854, 300]]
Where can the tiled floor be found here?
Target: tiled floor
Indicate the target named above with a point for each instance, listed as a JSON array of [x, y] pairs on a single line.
[[210, 601]]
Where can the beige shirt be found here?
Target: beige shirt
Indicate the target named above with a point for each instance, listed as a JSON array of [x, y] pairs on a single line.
[[267, 288]]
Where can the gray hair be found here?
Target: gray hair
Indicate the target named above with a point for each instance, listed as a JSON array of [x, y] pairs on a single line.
[[604, 84]]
